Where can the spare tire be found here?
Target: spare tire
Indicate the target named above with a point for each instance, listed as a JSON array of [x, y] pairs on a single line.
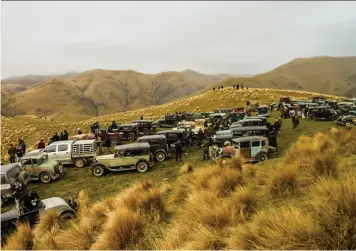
[[24, 178], [59, 169]]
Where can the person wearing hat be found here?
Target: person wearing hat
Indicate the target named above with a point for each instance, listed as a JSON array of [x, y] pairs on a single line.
[[41, 145], [79, 131]]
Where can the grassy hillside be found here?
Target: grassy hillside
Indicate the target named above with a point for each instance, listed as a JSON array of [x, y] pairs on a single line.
[[329, 75], [304, 200], [99, 92], [32, 129]]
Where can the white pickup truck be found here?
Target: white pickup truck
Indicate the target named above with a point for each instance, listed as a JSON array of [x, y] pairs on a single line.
[[77, 152]]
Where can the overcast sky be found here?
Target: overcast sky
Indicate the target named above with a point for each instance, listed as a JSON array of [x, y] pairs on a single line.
[[211, 37]]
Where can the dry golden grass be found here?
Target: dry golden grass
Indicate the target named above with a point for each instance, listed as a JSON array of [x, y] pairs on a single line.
[[186, 168], [22, 239], [283, 181], [244, 202]]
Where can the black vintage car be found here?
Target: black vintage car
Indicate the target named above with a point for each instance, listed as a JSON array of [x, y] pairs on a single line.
[[172, 136], [224, 138], [322, 113], [251, 122], [158, 146], [146, 127], [169, 121], [129, 131]]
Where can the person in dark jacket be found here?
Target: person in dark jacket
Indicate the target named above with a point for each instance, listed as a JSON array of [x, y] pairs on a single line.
[[242, 87], [205, 123], [55, 137], [141, 117], [41, 145], [179, 150], [277, 126], [114, 125], [272, 139], [234, 86], [213, 88], [206, 145], [61, 136], [238, 87], [66, 135], [23, 146], [12, 153]]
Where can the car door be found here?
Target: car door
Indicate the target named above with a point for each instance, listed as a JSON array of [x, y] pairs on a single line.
[[245, 149], [51, 151], [64, 153], [255, 148], [27, 165]]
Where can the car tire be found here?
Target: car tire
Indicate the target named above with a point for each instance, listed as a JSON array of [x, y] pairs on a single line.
[[113, 142], [45, 177], [160, 156], [262, 157], [79, 163], [195, 141], [98, 170], [347, 124], [131, 137], [312, 117], [59, 169], [24, 178], [146, 131], [67, 216], [142, 166]]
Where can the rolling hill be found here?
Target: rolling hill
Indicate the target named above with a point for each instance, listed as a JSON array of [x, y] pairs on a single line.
[[97, 92], [329, 75]]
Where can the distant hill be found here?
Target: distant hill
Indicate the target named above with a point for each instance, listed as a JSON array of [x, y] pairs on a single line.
[[329, 75], [97, 92]]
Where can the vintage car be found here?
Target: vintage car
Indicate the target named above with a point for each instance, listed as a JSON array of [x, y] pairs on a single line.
[[224, 138], [14, 180], [172, 136], [252, 148], [129, 131], [347, 119], [146, 127], [115, 138], [41, 168], [193, 132], [250, 122], [322, 113], [169, 121], [239, 109], [223, 110], [133, 156], [21, 213], [186, 123], [158, 146], [263, 111], [263, 119], [236, 116]]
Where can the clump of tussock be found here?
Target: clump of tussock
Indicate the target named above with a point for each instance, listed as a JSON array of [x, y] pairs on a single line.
[[323, 143], [334, 204], [325, 163], [83, 202], [283, 228], [203, 238], [45, 243], [122, 229], [301, 152], [49, 221], [22, 239], [225, 182], [346, 140], [249, 170], [186, 168], [243, 202], [283, 181]]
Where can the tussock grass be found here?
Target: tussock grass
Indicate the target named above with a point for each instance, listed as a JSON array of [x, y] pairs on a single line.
[[243, 202], [186, 168], [49, 221], [283, 181], [284, 228], [22, 239]]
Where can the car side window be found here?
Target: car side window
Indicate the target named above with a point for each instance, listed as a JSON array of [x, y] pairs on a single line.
[[245, 144], [26, 162], [62, 148], [34, 161], [263, 143], [255, 143], [154, 142], [3, 179], [51, 149]]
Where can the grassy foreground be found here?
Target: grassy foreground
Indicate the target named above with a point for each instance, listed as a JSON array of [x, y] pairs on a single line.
[[304, 200]]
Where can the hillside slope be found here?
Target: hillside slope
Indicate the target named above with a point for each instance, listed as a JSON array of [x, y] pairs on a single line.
[[105, 92], [329, 75]]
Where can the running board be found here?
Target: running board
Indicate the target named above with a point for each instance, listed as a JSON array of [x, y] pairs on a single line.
[[121, 168]]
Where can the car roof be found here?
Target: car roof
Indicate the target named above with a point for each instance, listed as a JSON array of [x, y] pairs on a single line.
[[167, 131], [5, 168], [129, 124], [254, 119], [62, 142], [249, 138], [247, 128], [141, 120], [148, 137], [132, 146], [34, 155]]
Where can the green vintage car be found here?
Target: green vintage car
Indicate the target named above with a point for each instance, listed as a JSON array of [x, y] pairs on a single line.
[[41, 168], [133, 156]]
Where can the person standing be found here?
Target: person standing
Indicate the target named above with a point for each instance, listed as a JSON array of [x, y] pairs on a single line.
[[272, 139], [206, 145], [19, 151], [141, 117], [41, 145], [61, 136], [66, 135], [12, 153], [295, 121], [179, 150]]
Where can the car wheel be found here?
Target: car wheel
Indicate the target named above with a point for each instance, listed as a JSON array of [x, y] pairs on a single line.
[[2, 202], [160, 156], [98, 171], [131, 137], [113, 142], [227, 143], [142, 166], [146, 131], [312, 117], [45, 177], [67, 216], [59, 169], [262, 157], [79, 163], [215, 146], [348, 124], [194, 141]]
